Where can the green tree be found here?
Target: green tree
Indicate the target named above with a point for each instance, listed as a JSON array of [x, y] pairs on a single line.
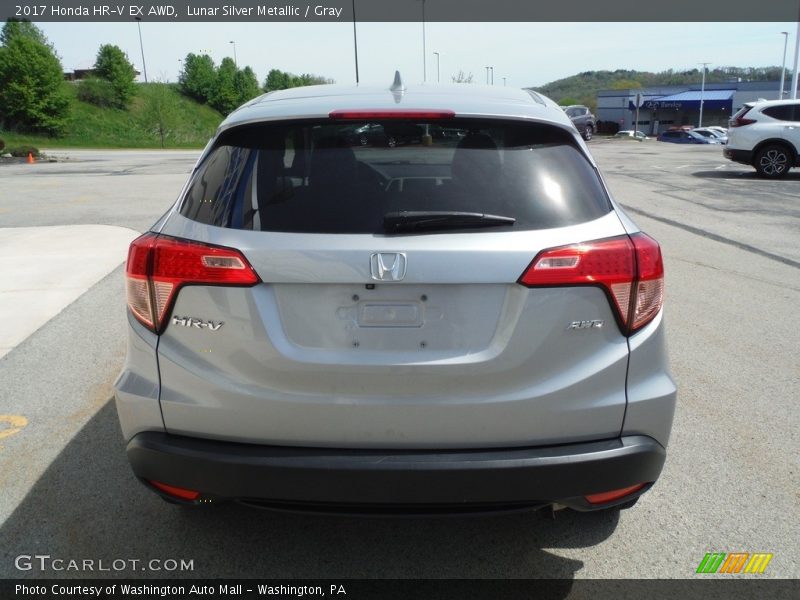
[[160, 110], [224, 96], [113, 65], [198, 77], [15, 27], [246, 84], [568, 101], [277, 80], [32, 96]]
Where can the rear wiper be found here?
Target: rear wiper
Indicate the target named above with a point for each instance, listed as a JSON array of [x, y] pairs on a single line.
[[417, 220]]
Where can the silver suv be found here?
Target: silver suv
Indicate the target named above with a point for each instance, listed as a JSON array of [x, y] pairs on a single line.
[[463, 322]]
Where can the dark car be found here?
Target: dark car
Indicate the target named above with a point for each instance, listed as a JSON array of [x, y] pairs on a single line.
[[583, 119], [682, 136]]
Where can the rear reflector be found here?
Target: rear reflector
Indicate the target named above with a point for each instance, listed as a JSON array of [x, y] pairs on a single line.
[[158, 266], [176, 492], [628, 268], [604, 497], [384, 114]]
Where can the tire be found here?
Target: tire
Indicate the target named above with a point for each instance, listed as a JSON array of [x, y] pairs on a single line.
[[587, 132], [773, 161], [391, 142]]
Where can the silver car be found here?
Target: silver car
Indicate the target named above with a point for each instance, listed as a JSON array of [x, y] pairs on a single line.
[[463, 322]]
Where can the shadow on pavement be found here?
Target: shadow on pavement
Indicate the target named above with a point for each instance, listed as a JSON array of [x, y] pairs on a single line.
[[88, 505], [792, 176]]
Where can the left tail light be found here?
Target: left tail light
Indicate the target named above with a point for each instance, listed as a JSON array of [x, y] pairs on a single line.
[[158, 266]]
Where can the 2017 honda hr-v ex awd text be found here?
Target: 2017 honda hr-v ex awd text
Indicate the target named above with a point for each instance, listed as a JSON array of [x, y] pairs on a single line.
[[466, 321]]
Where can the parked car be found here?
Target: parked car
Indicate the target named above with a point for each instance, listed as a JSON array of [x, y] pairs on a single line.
[[583, 119], [684, 136], [766, 135], [711, 133], [386, 134], [721, 130], [629, 133], [304, 335]]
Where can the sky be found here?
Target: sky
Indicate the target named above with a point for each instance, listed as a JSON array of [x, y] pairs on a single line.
[[526, 54]]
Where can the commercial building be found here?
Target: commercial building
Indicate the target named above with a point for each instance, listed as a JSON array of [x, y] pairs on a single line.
[[674, 105]]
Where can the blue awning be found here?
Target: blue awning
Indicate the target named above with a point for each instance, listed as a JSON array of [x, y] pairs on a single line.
[[712, 100]]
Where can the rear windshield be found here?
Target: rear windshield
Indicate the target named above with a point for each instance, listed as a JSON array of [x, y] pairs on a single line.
[[335, 177]]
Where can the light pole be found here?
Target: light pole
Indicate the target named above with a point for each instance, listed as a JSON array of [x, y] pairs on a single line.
[[702, 92], [491, 70], [424, 50], [141, 46], [438, 79], [785, 35], [355, 40], [796, 53], [235, 61], [487, 75]]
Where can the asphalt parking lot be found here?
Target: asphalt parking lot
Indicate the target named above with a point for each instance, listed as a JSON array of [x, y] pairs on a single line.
[[732, 479]]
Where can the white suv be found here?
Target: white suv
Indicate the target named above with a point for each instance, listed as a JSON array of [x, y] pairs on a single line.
[[766, 135]]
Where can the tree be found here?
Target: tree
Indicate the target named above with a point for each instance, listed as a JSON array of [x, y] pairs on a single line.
[[15, 27], [224, 96], [32, 95], [198, 77], [112, 64], [246, 84], [160, 110], [460, 77], [568, 101], [281, 80]]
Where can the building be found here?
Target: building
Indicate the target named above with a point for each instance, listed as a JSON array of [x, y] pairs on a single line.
[[674, 105]]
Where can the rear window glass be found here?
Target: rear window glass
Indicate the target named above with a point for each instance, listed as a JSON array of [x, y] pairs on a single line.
[[345, 177]]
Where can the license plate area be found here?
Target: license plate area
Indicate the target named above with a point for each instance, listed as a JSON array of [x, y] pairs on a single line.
[[389, 314]]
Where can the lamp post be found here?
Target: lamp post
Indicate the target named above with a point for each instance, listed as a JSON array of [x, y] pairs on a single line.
[[487, 75], [424, 50], [235, 61], [438, 78], [796, 53], [491, 70], [141, 46], [785, 35], [702, 92], [504, 82], [355, 40]]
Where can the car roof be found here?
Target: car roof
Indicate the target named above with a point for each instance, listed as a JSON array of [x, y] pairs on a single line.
[[467, 100], [763, 103]]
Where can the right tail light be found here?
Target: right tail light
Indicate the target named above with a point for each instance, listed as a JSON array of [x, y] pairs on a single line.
[[629, 268]]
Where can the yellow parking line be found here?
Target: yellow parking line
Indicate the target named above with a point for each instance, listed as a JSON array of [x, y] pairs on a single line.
[[11, 424]]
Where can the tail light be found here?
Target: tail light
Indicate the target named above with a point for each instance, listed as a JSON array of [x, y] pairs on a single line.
[[629, 268], [158, 266], [177, 492]]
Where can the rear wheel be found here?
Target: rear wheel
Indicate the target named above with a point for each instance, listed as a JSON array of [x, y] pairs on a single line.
[[772, 161], [588, 132]]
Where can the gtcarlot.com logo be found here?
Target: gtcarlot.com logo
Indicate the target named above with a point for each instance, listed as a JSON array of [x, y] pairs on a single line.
[[734, 562], [45, 562]]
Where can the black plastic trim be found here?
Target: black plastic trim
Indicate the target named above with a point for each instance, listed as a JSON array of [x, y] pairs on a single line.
[[419, 478]]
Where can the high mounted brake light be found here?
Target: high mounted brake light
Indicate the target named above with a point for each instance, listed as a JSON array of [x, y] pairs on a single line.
[[390, 114], [629, 268], [158, 266]]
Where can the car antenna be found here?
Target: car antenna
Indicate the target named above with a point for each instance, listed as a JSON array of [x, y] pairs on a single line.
[[398, 85]]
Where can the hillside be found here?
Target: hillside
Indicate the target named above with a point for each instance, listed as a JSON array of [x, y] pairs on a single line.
[[189, 124], [583, 87]]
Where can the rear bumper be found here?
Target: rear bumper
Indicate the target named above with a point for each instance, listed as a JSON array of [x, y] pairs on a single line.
[[322, 478], [740, 156]]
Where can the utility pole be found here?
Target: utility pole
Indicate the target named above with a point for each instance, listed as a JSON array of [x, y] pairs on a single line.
[[235, 61], [785, 35], [702, 92], [141, 46], [355, 40]]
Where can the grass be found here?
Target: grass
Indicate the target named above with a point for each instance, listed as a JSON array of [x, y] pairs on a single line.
[[94, 127]]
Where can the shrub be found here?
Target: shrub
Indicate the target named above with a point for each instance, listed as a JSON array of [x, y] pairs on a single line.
[[2, 144], [23, 151], [98, 92]]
